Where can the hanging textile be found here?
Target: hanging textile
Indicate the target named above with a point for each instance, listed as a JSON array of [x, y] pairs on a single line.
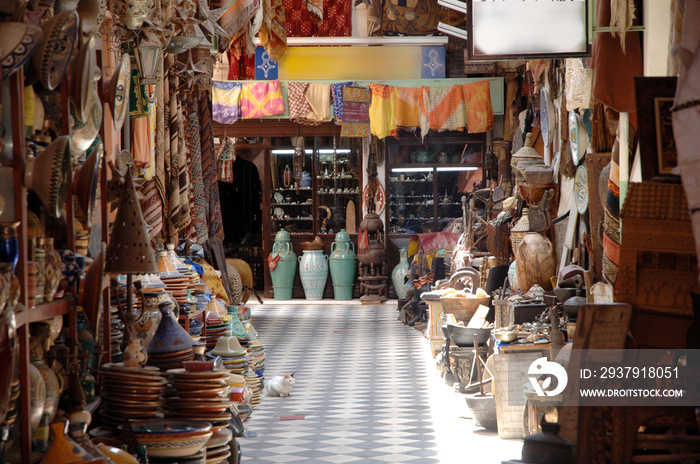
[[163, 147], [261, 99], [241, 66], [237, 15], [147, 172], [272, 34], [622, 16], [674, 36], [315, 7], [442, 108], [408, 107], [374, 18], [152, 207], [299, 106], [183, 177], [319, 98], [334, 18], [416, 17], [356, 102], [477, 102], [382, 110], [615, 69], [199, 200], [140, 141], [175, 208], [226, 101], [138, 103], [211, 184], [337, 95], [578, 84]]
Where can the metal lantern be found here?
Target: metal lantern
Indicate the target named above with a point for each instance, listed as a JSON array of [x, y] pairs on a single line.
[[149, 57]]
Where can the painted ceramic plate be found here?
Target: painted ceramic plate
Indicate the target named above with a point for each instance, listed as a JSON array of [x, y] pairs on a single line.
[[581, 189], [83, 69], [53, 56], [84, 131], [119, 91]]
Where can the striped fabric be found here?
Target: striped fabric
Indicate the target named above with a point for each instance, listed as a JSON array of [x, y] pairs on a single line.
[[152, 206], [457, 107], [199, 201], [183, 177], [237, 15], [211, 184]]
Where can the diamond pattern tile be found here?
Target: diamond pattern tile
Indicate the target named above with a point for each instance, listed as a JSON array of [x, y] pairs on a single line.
[[367, 390]]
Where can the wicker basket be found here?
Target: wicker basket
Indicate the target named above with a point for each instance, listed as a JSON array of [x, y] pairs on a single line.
[[463, 308]]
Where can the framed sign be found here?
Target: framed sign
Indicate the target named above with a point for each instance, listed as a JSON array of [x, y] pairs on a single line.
[[527, 29], [657, 147]]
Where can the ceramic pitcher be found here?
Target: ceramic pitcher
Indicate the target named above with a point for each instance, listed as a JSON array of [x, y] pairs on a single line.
[[283, 266], [313, 270], [343, 264]]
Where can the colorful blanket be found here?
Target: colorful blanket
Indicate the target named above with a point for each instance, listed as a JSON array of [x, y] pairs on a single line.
[[356, 112], [337, 95], [261, 99], [226, 101]]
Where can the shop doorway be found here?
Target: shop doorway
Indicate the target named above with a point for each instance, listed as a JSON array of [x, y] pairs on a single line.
[[241, 210]]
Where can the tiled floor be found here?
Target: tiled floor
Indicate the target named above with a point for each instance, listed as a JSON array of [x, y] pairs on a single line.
[[366, 391]]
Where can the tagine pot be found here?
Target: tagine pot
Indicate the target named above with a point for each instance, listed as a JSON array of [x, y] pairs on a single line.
[[283, 266], [342, 263], [313, 271]]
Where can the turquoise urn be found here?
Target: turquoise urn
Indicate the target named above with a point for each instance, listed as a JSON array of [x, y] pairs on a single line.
[[283, 266], [313, 272], [343, 265]]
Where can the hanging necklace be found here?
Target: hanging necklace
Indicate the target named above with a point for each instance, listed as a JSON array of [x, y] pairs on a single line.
[[287, 177]]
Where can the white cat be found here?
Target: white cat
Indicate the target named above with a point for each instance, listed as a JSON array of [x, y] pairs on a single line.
[[280, 385]]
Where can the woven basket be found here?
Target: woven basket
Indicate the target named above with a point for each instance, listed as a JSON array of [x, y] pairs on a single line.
[[463, 308]]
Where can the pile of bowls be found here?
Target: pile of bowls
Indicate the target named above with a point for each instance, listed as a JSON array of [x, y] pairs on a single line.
[[219, 446], [215, 329], [134, 393], [172, 438], [201, 396], [116, 334]]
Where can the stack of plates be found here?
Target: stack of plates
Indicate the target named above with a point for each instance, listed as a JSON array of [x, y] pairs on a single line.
[[199, 458], [116, 333], [177, 284], [219, 446], [256, 357], [215, 328], [170, 360], [131, 393], [255, 383], [201, 396], [236, 365]]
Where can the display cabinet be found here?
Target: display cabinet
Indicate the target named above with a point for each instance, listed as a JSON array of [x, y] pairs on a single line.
[[426, 180], [291, 201]]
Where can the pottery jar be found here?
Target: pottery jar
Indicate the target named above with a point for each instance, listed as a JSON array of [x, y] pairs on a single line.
[[283, 266], [399, 274], [343, 265], [135, 354], [305, 181], [535, 262], [313, 270], [146, 324]]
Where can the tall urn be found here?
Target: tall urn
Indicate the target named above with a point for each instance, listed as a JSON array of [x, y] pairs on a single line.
[[313, 271], [342, 263], [535, 262], [399, 274], [283, 266]]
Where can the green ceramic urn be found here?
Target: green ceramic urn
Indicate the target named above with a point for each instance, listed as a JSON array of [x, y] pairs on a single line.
[[283, 266], [343, 264]]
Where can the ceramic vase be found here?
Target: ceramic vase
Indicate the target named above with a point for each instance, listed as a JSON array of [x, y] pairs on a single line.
[[343, 265], [135, 354], [148, 321], [283, 266], [63, 449], [399, 274], [305, 181], [313, 271], [9, 246], [535, 262]]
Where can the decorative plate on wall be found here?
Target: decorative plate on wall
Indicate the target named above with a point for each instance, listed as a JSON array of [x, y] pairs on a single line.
[[119, 91]]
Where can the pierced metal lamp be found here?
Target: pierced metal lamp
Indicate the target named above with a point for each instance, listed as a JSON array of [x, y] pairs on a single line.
[[149, 56]]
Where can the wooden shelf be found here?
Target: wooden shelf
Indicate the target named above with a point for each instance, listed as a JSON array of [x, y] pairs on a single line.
[[45, 311]]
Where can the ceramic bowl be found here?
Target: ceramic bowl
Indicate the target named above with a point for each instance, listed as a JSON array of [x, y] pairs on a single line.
[[52, 57], [119, 92], [18, 41], [171, 438]]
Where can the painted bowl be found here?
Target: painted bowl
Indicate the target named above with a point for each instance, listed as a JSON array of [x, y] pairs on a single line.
[[18, 41], [171, 438], [119, 92], [49, 173], [52, 57]]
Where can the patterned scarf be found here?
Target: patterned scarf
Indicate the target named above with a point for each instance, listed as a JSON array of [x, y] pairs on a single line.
[[226, 101], [298, 105], [198, 200], [337, 94], [261, 99], [211, 184], [152, 206], [356, 112], [273, 35], [442, 109]]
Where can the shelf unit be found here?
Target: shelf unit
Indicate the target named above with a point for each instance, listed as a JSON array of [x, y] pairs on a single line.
[[59, 307]]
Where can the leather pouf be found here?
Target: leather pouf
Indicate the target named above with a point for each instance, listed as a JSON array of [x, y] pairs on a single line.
[[246, 275]]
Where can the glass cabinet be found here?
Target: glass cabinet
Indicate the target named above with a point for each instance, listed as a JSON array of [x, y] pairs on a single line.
[[327, 192], [291, 202], [427, 178]]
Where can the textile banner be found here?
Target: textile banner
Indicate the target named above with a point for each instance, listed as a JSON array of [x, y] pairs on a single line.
[[356, 101]]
